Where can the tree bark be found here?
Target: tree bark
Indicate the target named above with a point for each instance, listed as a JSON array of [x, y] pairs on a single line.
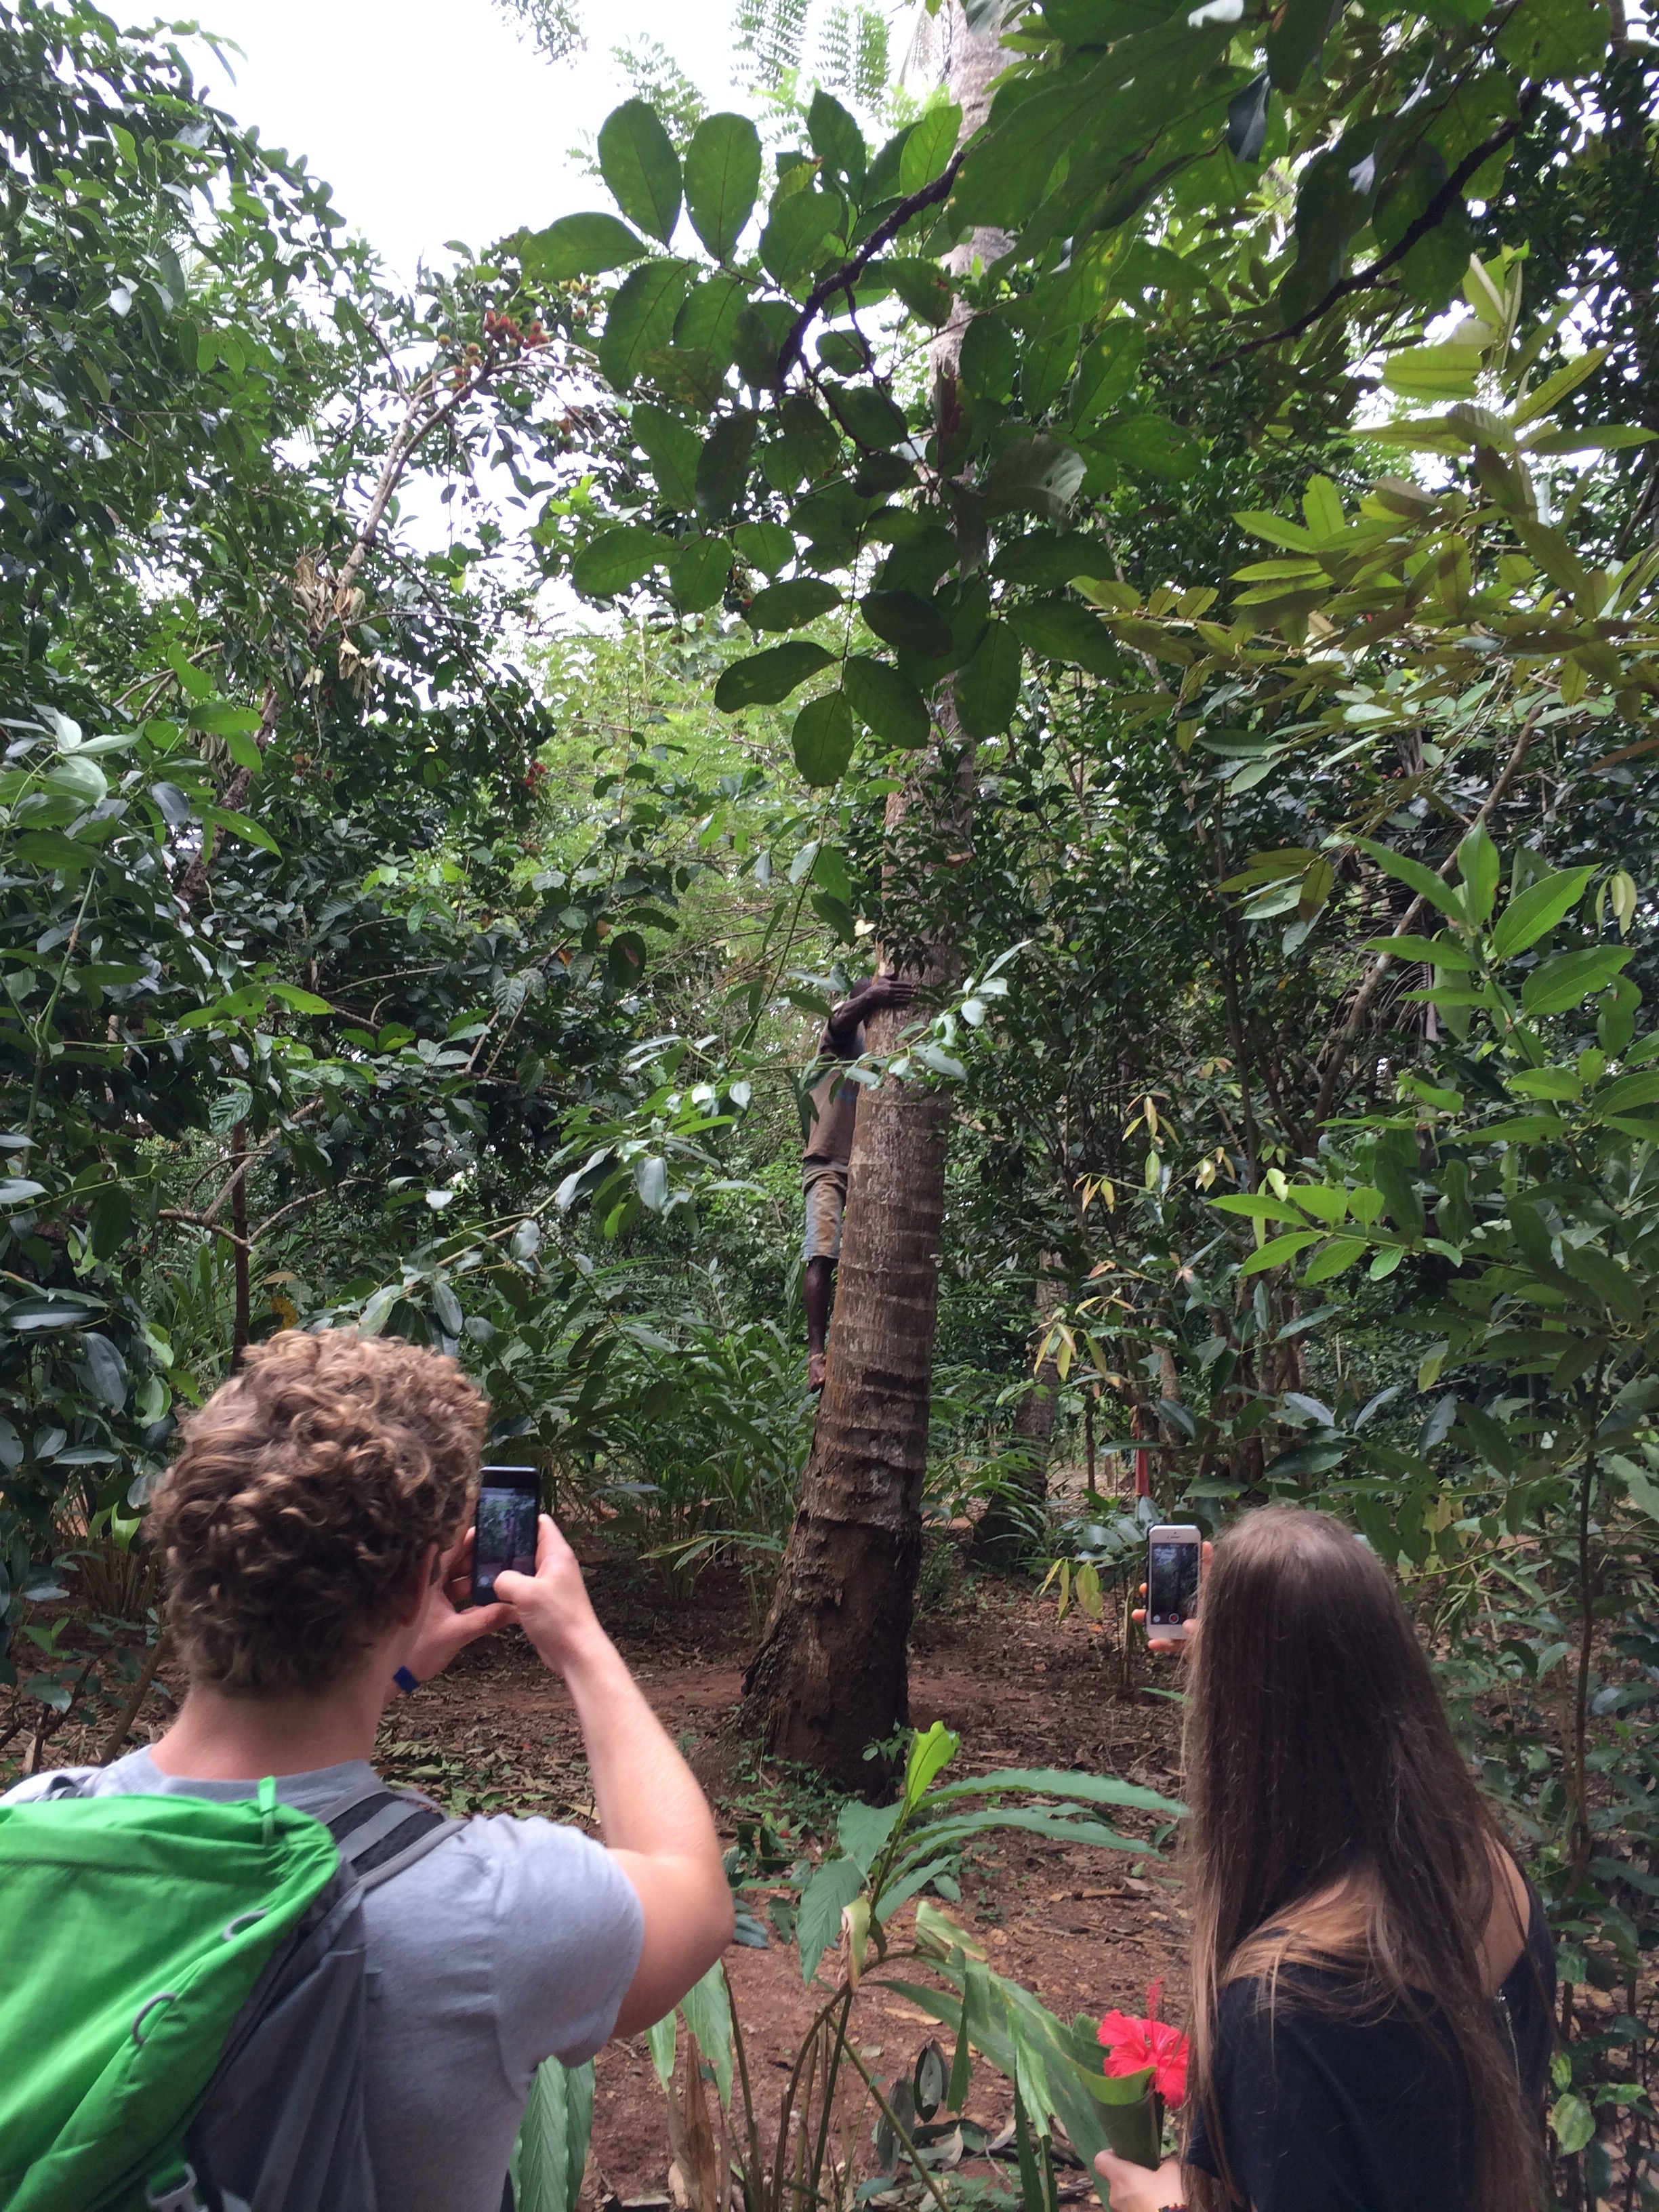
[[831, 1674]]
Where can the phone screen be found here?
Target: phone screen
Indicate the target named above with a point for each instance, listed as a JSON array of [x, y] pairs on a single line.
[[509, 1505], [1171, 1582]]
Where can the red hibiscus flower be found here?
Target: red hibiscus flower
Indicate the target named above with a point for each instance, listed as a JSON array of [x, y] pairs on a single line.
[[1133, 2045]]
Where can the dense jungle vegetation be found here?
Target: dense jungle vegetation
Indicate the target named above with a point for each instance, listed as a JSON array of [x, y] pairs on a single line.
[[1162, 546]]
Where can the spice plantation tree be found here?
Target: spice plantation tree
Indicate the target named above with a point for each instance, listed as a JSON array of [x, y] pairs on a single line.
[[1141, 177]]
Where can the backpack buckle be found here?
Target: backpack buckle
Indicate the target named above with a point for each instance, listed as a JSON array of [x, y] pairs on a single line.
[[174, 2191]]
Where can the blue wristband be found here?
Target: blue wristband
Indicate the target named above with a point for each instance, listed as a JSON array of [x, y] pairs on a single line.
[[406, 1681]]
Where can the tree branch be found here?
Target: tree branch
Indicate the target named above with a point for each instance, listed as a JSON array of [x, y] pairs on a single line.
[[1365, 280], [849, 272]]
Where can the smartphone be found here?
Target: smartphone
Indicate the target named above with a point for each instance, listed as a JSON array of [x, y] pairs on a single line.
[[1173, 1554], [506, 1521]]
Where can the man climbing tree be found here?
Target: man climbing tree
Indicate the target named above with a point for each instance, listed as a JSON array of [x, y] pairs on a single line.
[[831, 1110]]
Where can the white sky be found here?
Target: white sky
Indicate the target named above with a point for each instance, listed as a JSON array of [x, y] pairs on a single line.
[[432, 122]]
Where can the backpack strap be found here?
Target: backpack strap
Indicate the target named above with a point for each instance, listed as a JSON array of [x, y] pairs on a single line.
[[380, 1831]]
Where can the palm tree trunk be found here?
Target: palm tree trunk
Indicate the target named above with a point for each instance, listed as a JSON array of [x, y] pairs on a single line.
[[831, 1675]]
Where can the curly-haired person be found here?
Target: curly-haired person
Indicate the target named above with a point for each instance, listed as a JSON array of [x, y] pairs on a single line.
[[315, 1531]]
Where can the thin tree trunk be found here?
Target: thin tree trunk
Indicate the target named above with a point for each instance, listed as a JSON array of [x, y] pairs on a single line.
[[831, 1673], [243, 1320]]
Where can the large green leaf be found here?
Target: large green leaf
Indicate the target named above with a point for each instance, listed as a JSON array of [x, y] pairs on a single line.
[[577, 246], [1060, 629], [673, 448], [1047, 560], [615, 559], [798, 236], [1148, 445], [1556, 987], [887, 702], [722, 176], [868, 415], [836, 139], [988, 688], [708, 321], [641, 318], [551, 2150], [765, 678], [707, 2009], [723, 465], [792, 604], [1537, 910], [822, 740], [1037, 474], [641, 167], [910, 622], [989, 359], [1107, 370], [697, 571], [928, 147], [1297, 40], [826, 1897]]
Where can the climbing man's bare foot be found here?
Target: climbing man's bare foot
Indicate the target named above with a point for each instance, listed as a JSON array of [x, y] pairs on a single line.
[[817, 1368]]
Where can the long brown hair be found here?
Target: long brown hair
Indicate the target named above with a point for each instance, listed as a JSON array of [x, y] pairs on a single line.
[[1336, 1823]]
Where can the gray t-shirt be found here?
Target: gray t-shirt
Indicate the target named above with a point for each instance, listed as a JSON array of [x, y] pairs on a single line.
[[509, 1942]]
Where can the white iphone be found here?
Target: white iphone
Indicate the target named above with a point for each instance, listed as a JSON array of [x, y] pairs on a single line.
[[1173, 1557]]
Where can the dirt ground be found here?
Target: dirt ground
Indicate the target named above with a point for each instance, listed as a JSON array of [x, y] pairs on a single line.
[[1087, 1929]]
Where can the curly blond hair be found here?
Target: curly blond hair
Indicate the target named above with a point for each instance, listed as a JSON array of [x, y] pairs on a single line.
[[305, 1492]]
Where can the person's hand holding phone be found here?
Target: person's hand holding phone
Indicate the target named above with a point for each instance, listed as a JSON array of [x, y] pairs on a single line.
[[1166, 1643], [444, 1628], [553, 1603]]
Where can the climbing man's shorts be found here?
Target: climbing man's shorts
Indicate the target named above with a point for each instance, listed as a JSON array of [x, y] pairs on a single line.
[[826, 1202]]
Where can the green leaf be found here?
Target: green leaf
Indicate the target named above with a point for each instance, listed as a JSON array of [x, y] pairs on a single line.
[[615, 559], [1554, 38], [922, 286], [826, 1897], [302, 1002], [1538, 909], [1297, 40], [722, 472], [1277, 1249], [791, 606], [551, 2150], [868, 415], [765, 678], [1107, 370], [1617, 1289], [1434, 951], [1037, 474], [1478, 866], [1060, 629], [642, 319], [661, 2039], [697, 572], [1556, 986], [1435, 372], [722, 176], [930, 1754], [577, 246], [1047, 559], [707, 2009], [641, 168], [106, 1370], [797, 238], [836, 139], [1149, 446], [1626, 1091], [928, 147], [1340, 1253], [708, 321], [863, 1831], [912, 624], [989, 359], [987, 688], [1424, 881], [767, 546], [1574, 2123], [822, 739], [887, 702], [1256, 1207], [1059, 1781], [672, 447]]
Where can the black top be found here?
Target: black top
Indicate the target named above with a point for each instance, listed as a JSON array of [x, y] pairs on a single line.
[[1320, 2114]]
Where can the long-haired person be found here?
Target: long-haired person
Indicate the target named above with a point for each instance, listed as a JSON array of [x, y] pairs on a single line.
[[1372, 1977]]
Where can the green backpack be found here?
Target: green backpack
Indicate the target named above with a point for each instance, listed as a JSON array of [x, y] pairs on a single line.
[[183, 2011]]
